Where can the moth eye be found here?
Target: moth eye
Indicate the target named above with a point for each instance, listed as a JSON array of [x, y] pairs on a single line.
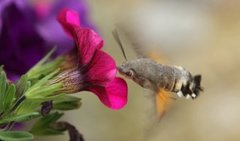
[[130, 73]]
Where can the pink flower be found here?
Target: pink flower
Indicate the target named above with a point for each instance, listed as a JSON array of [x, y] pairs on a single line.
[[89, 68]]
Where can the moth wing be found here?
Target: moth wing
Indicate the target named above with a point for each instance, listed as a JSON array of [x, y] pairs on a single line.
[[162, 97], [162, 100], [139, 49]]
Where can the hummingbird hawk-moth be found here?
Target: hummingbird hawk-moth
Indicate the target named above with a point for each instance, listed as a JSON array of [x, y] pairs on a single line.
[[160, 78]]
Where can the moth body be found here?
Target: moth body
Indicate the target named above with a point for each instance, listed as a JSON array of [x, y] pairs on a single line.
[[154, 76]]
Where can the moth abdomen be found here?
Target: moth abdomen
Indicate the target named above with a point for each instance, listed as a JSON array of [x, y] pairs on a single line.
[[186, 84]]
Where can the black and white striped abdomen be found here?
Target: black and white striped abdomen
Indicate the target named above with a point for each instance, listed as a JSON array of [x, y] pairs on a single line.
[[180, 81]]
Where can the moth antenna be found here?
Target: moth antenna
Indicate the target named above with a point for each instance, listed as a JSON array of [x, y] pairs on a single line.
[[117, 39]]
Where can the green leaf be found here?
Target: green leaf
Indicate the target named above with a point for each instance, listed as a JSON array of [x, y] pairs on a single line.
[[67, 98], [67, 103], [45, 69], [48, 98], [31, 105], [64, 106], [45, 79], [28, 106], [15, 136], [20, 118], [22, 85], [3, 82], [7, 92], [9, 96], [44, 91], [34, 91], [3, 87], [43, 125]]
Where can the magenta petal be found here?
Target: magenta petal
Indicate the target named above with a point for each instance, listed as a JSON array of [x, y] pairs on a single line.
[[87, 42], [113, 95], [68, 19], [102, 69], [86, 39]]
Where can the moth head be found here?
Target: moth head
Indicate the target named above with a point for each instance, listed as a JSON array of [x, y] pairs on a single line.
[[126, 70], [134, 70]]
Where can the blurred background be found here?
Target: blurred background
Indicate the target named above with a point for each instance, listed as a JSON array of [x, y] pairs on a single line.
[[200, 35]]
